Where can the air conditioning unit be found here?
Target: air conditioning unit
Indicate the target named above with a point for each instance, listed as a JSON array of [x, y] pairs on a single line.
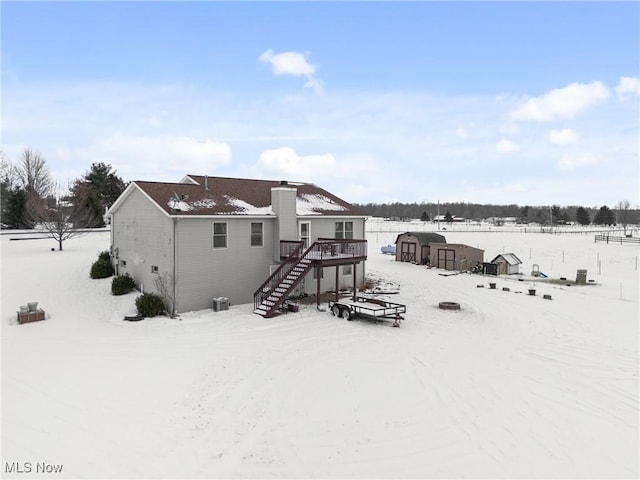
[[220, 304]]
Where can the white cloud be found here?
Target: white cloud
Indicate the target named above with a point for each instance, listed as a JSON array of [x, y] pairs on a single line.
[[573, 161], [163, 157], [565, 136], [506, 146], [627, 86], [461, 132], [293, 63], [315, 84], [286, 162], [560, 103], [288, 63]]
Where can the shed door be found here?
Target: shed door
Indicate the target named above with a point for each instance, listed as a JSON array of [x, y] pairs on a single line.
[[446, 259], [407, 252], [424, 253]]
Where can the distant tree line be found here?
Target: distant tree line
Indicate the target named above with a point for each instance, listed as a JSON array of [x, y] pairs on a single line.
[[30, 197], [621, 214]]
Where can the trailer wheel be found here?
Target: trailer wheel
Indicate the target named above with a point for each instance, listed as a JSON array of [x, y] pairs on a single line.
[[335, 310], [346, 313]]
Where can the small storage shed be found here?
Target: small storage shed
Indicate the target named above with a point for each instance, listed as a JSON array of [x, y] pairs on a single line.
[[455, 256], [414, 247], [508, 263]]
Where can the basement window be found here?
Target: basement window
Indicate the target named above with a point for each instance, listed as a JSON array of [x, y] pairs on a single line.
[[154, 269], [123, 263]]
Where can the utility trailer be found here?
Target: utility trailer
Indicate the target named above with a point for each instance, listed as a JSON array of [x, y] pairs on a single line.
[[348, 308]]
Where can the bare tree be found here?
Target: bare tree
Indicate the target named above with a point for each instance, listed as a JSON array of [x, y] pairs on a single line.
[[34, 177], [622, 208], [165, 285], [8, 173], [57, 216]]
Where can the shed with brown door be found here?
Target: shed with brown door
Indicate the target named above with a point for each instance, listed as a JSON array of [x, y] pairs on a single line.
[[455, 256], [414, 247]]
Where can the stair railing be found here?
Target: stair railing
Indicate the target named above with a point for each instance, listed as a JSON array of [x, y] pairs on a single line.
[[279, 274]]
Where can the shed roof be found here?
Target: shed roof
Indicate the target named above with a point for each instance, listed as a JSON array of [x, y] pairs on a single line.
[[457, 245], [425, 238], [510, 258], [202, 195]]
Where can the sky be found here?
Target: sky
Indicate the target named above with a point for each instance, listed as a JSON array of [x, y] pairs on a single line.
[[528, 103]]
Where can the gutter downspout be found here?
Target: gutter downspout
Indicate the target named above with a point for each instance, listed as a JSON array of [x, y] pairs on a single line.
[[175, 223]]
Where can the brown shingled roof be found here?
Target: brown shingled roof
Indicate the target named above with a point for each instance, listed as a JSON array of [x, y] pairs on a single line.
[[238, 196]]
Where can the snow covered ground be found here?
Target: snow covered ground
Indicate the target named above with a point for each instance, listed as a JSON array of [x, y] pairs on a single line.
[[510, 386]]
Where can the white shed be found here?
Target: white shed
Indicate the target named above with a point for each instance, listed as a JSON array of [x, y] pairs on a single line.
[[508, 263]]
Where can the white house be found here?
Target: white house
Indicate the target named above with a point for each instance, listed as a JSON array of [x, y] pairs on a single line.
[[248, 240]]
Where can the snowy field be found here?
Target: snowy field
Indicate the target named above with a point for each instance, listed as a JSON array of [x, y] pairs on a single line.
[[510, 386]]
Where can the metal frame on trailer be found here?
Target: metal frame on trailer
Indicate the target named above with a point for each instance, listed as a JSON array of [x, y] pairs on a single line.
[[368, 307]]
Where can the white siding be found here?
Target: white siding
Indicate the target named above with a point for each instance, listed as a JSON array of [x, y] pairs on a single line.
[[142, 235], [204, 272], [323, 227]]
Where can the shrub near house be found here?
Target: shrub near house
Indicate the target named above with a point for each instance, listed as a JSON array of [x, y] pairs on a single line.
[[122, 284], [102, 267], [150, 305]]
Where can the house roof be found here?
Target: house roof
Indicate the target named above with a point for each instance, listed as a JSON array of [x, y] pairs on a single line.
[[199, 195], [425, 238], [510, 258]]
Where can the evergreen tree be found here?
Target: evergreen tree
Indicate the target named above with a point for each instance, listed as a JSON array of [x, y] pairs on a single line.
[[424, 217], [95, 192], [555, 214], [448, 218], [604, 216], [14, 208], [582, 216]]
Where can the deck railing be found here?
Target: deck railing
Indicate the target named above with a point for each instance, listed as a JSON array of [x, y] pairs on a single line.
[[323, 250], [332, 249]]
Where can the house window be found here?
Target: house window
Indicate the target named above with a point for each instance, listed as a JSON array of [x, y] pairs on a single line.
[[305, 234], [317, 271], [344, 230], [123, 263], [154, 269], [219, 235], [347, 270], [256, 234]]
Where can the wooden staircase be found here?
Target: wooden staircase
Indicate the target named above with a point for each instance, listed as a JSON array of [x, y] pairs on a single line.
[[272, 294], [275, 290], [273, 298]]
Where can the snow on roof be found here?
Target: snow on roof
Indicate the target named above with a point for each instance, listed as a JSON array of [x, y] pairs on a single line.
[[178, 205], [510, 258], [315, 204], [235, 196], [204, 203], [248, 209]]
